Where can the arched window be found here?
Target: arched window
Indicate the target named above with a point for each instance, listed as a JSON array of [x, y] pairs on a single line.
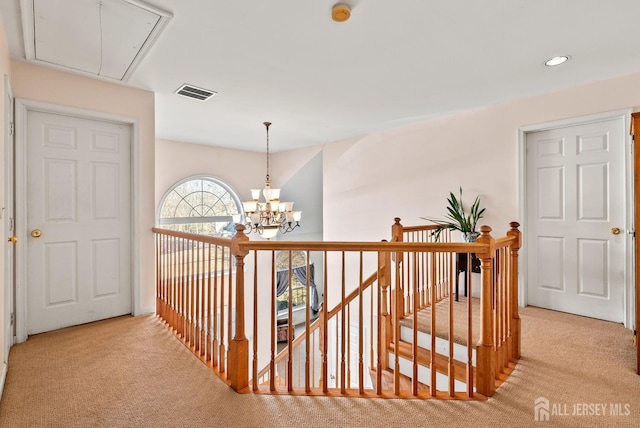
[[202, 205]]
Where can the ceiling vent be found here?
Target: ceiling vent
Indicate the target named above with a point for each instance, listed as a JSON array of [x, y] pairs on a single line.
[[194, 92]]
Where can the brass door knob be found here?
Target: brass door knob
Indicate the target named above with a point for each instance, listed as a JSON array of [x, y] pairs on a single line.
[[13, 239], [36, 233], [615, 230]]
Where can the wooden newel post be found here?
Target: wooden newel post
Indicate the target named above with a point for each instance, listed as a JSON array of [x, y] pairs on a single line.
[[386, 327], [396, 230], [397, 235], [238, 364], [515, 317], [485, 354]]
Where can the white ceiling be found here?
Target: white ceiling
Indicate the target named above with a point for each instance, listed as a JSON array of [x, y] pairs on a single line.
[[394, 62]]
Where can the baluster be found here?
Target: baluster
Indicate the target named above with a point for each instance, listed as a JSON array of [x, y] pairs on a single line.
[[215, 346], [208, 357], [399, 311], [255, 321], [360, 332], [342, 330], [201, 302], [307, 386], [222, 351], [190, 293], [274, 332], [414, 347], [451, 368], [182, 287], [172, 286], [383, 326], [290, 327], [158, 277], [197, 299], [432, 362], [230, 315], [324, 339], [171, 271], [470, 343]]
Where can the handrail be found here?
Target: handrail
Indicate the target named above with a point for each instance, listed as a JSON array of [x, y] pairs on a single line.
[[444, 247], [420, 228], [216, 240], [503, 242]]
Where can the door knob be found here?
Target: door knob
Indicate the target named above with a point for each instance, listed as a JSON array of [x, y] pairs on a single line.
[[13, 239], [36, 233], [615, 230]]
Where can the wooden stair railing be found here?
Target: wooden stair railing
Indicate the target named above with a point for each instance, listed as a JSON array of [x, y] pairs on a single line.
[[193, 291], [202, 299]]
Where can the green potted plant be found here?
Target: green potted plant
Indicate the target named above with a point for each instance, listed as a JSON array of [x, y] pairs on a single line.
[[457, 218]]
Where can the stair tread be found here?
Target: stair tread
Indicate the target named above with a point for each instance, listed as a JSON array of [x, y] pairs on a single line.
[[460, 320]]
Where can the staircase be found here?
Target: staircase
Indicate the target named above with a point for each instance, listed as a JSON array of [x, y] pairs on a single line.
[[373, 336]]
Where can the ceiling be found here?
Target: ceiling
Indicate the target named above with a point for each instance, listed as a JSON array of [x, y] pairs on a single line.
[[318, 81]]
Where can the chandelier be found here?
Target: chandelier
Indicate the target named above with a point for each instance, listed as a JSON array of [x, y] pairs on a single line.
[[271, 216]]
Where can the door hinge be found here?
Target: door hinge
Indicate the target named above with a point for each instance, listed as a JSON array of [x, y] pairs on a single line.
[[11, 128], [12, 318]]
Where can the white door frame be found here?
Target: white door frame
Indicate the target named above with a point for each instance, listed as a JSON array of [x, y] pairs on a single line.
[[8, 290], [23, 107], [629, 272]]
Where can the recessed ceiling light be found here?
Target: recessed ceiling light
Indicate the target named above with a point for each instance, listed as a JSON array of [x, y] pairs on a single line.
[[557, 60]]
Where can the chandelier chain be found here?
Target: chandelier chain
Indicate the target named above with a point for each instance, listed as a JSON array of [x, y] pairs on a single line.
[[267, 124]]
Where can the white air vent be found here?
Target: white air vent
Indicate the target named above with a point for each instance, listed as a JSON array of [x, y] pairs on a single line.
[[191, 91]]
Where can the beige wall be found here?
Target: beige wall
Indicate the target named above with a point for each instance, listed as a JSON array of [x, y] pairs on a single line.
[[55, 87], [176, 161], [407, 172]]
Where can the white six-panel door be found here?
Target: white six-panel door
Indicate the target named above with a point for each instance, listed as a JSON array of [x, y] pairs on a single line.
[[78, 198], [575, 200]]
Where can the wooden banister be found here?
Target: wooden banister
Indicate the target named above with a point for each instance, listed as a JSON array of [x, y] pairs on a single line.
[[194, 273]]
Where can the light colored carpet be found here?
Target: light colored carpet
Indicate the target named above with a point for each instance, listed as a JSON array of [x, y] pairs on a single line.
[[460, 317], [132, 372]]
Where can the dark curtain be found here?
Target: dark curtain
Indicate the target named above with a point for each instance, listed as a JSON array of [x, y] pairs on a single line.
[[301, 273], [282, 283]]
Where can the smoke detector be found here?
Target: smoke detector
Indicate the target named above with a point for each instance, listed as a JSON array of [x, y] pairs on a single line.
[[340, 12]]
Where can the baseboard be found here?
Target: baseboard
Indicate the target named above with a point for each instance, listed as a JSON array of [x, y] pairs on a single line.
[[3, 376]]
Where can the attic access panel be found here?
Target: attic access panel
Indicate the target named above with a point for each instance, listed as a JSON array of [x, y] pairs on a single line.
[[102, 38]]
